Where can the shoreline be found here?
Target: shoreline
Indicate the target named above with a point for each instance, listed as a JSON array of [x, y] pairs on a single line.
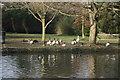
[[81, 50]]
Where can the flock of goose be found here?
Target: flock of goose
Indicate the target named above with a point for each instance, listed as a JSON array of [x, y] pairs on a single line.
[[54, 41], [58, 42]]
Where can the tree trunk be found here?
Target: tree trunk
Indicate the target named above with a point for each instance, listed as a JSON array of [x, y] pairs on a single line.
[[83, 33], [43, 29], [13, 26], [23, 23], [93, 32], [93, 28], [93, 22], [91, 18]]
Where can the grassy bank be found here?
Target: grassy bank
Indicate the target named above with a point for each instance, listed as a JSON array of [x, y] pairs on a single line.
[[66, 38], [14, 44]]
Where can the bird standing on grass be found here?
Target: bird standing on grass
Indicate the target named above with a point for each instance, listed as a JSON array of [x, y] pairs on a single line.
[[78, 39], [31, 41], [64, 44], [107, 44], [53, 42], [48, 42], [74, 42], [58, 42], [81, 44]]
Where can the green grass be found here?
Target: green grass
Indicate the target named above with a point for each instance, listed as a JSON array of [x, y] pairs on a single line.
[[14, 44], [65, 38], [22, 35], [13, 37], [108, 36]]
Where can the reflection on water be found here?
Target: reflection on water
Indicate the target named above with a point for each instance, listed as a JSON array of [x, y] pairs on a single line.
[[60, 65], [107, 66]]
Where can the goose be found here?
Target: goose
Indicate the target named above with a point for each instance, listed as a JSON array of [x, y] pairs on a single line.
[[60, 41], [57, 42], [107, 44], [35, 41], [48, 42], [64, 44], [53, 42], [81, 44], [31, 42], [78, 39], [73, 42]]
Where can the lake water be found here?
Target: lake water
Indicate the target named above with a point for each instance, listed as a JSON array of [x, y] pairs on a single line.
[[60, 65]]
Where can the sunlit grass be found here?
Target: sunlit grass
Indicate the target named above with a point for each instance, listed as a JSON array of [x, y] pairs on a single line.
[[65, 38], [14, 37]]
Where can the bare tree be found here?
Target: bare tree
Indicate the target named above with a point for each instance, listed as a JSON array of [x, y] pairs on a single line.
[[39, 12], [93, 22], [95, 10], [73, 9]]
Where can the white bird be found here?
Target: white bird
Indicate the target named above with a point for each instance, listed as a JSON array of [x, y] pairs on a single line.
[[49, 42], [60, 41], [107, 44], [57, 42], [81, 44], [78, 39], [31, 42], [53, 42], [63, 44], [74, 42]]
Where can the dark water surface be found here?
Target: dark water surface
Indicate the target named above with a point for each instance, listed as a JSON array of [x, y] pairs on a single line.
[[58, 65]]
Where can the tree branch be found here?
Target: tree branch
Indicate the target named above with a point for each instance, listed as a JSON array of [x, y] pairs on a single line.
[[50, 21], [39, 15], [32, 12], [34, 15], [60, 11], [114, 9]]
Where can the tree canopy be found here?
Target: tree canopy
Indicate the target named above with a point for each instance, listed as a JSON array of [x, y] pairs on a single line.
[[106, 14]]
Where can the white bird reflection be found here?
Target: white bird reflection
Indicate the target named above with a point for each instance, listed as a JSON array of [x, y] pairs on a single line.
[[51, 60], [83, 65]]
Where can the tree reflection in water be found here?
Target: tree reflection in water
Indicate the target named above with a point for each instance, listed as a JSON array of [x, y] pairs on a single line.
[[60, 65], [107, 66]]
